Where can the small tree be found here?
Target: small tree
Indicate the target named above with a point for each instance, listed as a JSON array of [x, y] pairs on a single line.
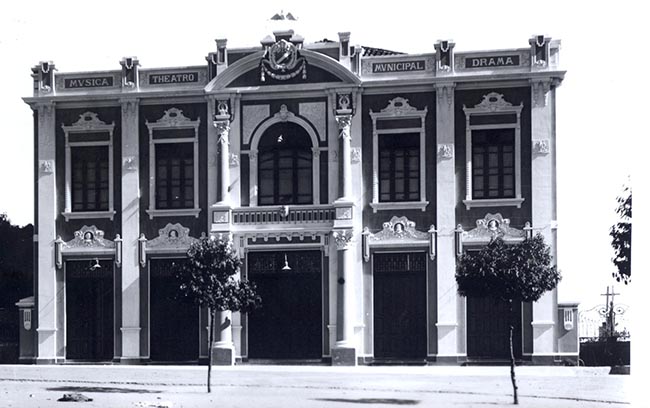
[[511, 273], [207, 279], [621, 234]]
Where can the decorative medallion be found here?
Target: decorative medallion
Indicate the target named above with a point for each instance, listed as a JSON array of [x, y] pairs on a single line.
[[493, 102], [282, 61], [234, 160], [172, 237]]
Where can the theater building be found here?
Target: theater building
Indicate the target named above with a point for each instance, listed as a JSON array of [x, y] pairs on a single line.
[[349, 178]]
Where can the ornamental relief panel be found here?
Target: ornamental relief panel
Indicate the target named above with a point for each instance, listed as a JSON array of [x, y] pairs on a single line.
[[252, 116], [89, 237], [493, 226], [315, 113], [398, 229]]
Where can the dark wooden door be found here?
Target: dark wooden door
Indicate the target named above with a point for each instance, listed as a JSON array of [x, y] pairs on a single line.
[[89, 310], [174, 325], [400, 324], [488, 333], [289, 324]]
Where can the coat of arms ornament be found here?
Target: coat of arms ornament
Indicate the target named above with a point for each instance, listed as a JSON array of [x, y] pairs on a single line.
[[282, 61]]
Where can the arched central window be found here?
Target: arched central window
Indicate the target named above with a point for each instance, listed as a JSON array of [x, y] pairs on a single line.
[[285, 165]]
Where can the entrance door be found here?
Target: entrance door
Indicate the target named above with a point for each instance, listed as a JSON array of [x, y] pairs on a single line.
[[400, 302], [174, 325], [289, 323], [89, 310], [488, 333]]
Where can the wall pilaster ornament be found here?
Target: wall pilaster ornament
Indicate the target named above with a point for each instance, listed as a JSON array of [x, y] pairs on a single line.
[[445, 151], [252, 155], [130, 163], [355, 154], [342, 238], [234, 160], [88, 237], [46, 166], [315, 152], [344, 213], [445, 94], [541, 147], [213, 159], [344, 122], [540, 89], [129, 106], [334, 156]]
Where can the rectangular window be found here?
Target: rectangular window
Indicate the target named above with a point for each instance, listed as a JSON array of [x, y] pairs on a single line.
[[174, 175], [89, 178], [399, 167], [493, 167]]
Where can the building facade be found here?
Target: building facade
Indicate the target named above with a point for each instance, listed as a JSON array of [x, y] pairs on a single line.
[[348, 178]]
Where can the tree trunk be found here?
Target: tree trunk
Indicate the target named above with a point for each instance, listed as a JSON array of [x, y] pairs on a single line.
[[210, 341], [512, 357]]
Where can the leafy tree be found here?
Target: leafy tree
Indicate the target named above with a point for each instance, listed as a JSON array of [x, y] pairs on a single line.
[[510, 273], [16, 261], [621, 234], [207, 279]]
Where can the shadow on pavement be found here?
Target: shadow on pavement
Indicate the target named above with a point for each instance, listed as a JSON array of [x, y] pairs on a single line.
[[390, 401], [104, 389]]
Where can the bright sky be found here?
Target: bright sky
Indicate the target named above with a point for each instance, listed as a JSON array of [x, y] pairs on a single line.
[[599, 107]]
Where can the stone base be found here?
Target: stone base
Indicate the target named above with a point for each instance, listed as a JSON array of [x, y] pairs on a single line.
[[450, 360], [344, 356], [545, 360], [223, 356], [44, 360], [130, 360]]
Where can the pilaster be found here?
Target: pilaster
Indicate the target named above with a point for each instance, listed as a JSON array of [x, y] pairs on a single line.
[[48, 349], [543, 203], [448, 321], [130, 231]]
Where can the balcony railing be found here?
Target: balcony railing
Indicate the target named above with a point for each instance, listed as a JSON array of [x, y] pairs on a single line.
[[285, 215]]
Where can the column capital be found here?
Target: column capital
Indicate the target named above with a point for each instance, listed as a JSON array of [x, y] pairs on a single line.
[[344, 121], [223, 129], [445, 93], [44, 107]]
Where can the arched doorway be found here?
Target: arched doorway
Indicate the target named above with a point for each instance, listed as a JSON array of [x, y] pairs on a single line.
[[285, 169]]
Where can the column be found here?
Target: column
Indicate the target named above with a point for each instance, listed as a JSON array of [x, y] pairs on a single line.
[[345, 166], [130, 232], [447, 295], [544, 209], [344, 351], [48, 348], [223, 350]]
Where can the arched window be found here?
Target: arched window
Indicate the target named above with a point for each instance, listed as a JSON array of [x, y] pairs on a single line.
[[285, 165]]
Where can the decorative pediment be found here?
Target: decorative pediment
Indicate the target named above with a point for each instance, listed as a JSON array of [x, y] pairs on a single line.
[[493, 102], [493, 226], [172, 118], [89, 121], [88, 238], [398, 231], [399, 106], [172, 238]]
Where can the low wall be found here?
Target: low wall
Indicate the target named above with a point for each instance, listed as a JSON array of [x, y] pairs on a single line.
[[605, 353]]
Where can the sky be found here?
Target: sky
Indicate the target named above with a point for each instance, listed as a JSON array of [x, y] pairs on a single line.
[[600, 105]]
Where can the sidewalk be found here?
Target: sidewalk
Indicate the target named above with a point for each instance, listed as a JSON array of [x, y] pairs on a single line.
[[311, 386]]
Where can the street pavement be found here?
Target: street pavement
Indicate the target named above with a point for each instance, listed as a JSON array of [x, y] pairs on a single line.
[[261, 386]]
